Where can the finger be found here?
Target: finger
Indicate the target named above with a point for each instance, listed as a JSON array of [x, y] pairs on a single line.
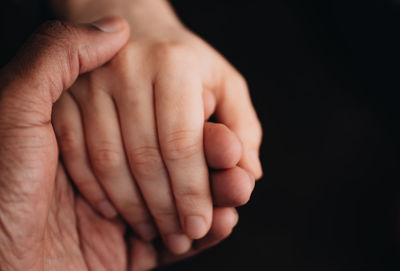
[[68, 127], [180, 120], [222, 147], [235, 110], [108, 160], [225, 219], [231, 187], [136, 110]]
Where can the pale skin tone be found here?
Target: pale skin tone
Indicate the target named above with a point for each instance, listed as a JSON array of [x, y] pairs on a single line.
[[44, 223], [131, 133]]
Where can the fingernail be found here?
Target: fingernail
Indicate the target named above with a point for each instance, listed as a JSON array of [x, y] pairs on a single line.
[[146, 231], [195, 227], [178, 243], [112, 24], [107, 209]]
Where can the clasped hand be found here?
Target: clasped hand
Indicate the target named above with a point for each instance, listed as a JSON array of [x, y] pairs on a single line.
[[44, 223]]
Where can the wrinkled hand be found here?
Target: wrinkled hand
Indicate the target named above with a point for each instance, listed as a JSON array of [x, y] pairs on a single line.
[[44, 224]]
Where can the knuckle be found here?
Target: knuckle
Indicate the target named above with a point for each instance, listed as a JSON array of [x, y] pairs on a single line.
[[68, 141], [166, 50], [170, 53], [134, 212], [106, 159], [134, 207], [145, 159], [182, 145], [190, 196], [123, 58], [82, 56], [86, 185], [164, 215]]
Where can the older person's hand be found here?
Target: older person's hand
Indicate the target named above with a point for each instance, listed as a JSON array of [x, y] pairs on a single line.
[[44, 224]]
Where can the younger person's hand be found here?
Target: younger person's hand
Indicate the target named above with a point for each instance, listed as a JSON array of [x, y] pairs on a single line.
[[132, 132]]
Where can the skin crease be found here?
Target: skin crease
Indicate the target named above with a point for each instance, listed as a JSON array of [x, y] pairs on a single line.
[[44, 223], [141, 120]]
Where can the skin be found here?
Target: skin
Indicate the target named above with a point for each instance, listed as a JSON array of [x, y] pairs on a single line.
[[132, 134], [44, 223]]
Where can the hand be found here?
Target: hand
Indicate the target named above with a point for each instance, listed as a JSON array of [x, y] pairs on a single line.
[[44, 224], [141, 120], [31, 202]]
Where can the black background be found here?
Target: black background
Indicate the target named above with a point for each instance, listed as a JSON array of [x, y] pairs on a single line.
[[324, 77]]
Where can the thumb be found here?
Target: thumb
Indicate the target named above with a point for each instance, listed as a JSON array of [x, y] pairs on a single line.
[[55, 55]]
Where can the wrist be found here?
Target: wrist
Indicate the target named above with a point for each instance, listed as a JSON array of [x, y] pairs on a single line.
[[146, 17], [152, 18]]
